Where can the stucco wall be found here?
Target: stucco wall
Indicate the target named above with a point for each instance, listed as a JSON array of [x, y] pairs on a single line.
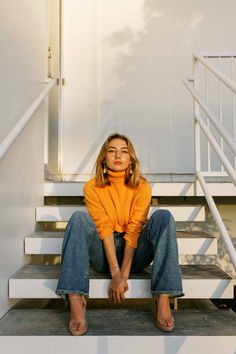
[[21, 190], [23, 42], [124, 63]]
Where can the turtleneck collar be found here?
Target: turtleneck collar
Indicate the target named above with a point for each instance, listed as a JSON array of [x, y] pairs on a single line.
[[116, 177]]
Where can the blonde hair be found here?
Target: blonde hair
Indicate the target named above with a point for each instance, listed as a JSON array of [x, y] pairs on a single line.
[[131, 180]]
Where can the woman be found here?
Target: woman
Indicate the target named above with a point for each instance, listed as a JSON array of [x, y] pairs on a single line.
[[115, 236]]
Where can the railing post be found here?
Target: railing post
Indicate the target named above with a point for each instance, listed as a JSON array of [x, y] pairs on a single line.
[[197, 133]]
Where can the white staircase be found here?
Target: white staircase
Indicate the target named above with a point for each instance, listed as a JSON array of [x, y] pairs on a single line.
[[39, 281], [206, 281]]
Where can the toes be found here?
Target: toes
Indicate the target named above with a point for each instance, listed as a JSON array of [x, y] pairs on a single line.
[[170, 322], [77, 325]]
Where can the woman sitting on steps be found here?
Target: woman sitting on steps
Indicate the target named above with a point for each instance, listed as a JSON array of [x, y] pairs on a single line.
[[116, 237]]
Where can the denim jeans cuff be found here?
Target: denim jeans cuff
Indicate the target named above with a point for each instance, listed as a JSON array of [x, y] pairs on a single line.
[[171, 293], [62, 293]]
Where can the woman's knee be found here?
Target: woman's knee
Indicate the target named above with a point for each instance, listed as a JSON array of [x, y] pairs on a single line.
[[79, 217], [163, 216], [78, 224], [162, 223]]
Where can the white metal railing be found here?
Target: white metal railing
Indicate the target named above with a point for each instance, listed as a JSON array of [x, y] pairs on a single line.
[[200, 125], [12, 135], [214, 83], [220, 75], [218, 219]]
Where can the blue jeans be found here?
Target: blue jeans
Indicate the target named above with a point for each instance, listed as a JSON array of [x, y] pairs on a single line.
[[82, 247]]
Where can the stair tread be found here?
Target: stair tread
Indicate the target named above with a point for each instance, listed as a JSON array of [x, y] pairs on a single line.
[[32, 271], [118, 322]]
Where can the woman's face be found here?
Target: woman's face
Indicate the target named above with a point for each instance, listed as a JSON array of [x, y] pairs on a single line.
[[117, 157]]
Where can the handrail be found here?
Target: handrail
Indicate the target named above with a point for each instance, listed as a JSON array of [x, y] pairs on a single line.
[[12, 135], [216, 215], [199, 123], [217, 149], [221, 76], [217, 124]]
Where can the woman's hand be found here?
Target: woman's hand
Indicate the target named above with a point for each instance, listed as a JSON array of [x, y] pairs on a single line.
[[118, 287]]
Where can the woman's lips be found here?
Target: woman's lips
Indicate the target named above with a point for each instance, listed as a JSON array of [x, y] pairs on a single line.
[[117, 162]]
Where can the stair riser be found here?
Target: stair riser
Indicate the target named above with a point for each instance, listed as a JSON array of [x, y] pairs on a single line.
[[119, 344], [186, 246], [67, 189], [138, 288], [159, 189], [180, 213]]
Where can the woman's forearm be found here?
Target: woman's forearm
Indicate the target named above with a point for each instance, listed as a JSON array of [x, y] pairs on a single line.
[[109, 247], [127, 261], [119, 284]]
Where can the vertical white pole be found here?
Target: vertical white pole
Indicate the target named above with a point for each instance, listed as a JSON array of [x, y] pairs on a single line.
[[197, 133], [48, 71], [60, 118], [208, 123], [220, 106], [233, 103], [196, 112]]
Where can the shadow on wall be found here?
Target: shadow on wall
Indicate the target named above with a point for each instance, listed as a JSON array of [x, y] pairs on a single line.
[[140, 87], [142, 69], [150, 76], [143, 72]]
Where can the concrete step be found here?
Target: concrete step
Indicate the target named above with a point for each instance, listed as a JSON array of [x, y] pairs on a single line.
[[166, 189], [63, 213], [118, 322], [118, 331], [50, 242], [199, 282]]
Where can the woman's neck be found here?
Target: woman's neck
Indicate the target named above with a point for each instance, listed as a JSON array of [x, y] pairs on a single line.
[[116, 176]]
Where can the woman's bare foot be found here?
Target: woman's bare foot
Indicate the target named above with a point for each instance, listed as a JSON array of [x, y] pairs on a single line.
[[78, 323], [164, 318]]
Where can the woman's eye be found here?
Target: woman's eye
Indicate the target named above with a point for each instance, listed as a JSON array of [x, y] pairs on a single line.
[[122, 151]]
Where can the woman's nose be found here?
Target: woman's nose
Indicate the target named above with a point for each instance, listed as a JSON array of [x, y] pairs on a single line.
[[117, 155]]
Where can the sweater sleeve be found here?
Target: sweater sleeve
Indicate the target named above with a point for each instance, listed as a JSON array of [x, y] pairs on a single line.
[[97, 211], [139, 215]]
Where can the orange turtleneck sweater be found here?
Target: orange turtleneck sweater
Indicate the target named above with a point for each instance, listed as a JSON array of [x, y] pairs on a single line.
[[118, 207]]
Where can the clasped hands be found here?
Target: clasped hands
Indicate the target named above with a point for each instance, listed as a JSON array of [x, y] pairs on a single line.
[[118, 287]]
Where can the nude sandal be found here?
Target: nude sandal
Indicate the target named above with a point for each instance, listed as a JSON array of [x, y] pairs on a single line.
[[161, 326], [165, 328], [84, 324]]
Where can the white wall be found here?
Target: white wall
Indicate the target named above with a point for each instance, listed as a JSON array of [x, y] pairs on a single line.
[[21, 190], [23, 33], [23, 42], [124, 62]]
